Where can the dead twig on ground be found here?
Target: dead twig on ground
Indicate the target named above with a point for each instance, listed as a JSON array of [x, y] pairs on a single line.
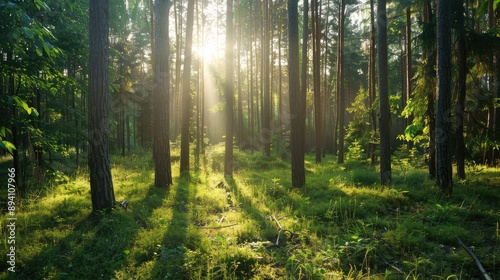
[[473, 256]]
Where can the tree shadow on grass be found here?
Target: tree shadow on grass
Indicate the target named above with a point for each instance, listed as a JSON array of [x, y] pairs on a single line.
[[176, 240], [96, 248]]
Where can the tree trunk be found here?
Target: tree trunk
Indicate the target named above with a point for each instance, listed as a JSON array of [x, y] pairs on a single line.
[[340, 84], [371, 84], [408, 65], [297, 100], [229, 91], [305, 59], [318, 115], [186, 89], [266, 133], [443, 108], [161, 100], [101, 184], [462, 87], [385, 114]]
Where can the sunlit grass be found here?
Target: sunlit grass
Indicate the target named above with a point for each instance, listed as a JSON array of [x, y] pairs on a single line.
[[342, 225]]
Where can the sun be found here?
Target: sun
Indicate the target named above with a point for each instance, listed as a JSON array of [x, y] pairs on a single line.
[[211, 51]]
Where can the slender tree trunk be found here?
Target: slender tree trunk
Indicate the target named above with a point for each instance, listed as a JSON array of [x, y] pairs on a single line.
[[229, 91], [408, 65], [161, 97], [186, 89], [443, 108], [101, 184], [340, 83], [371, 84], [297, 100], [266, 133], [305, 59], [318, 115], [385, 114], [241, 126], [462, 87]]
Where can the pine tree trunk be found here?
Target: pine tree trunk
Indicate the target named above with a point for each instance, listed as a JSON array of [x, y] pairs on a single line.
[[340, 84], [462, 87], [371, 83], [161, 100], [101, 184], [229, 91], [317, 81], [443, 108], [385, 117], [186, 89], [297, 100], [266, 133]]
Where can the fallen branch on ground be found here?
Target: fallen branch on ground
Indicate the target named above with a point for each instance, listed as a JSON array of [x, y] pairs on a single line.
[[219, 227], [478, 263], [390, 265]]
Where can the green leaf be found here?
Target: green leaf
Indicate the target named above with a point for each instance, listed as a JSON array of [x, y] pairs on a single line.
[[7, 145], [483, 8], [22, 104], [126, 252], [39, 52]]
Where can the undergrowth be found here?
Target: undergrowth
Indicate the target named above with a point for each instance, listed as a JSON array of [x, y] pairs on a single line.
[[341, 225]]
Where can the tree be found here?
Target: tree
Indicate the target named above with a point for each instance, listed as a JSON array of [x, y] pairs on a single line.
[[462, 87], [318, 123], [340, 83], [161, 104], [229, 91], [297, 100], [371, 82], [101, 184], [384, 125], [266, 102], [443, 107], [186, 89]]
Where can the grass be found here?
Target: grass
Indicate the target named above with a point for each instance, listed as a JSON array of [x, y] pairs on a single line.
[[342, 225]]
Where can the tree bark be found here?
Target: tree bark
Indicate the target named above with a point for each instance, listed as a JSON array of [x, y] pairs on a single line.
[[186, 89], [161, 97], [318, 115], [266, 133], [462, 87], [340, 84], [371, 82], [101, 184], [443, 108], [385, 114], [297, 100], [229, 91]]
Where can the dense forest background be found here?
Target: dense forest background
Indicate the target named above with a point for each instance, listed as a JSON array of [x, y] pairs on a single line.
[[390, 86]]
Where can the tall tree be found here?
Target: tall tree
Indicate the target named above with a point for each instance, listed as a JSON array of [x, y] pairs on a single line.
[[297, 100], [385, 114], [443, 107], [408, 56], [266, 102], [101, 184], [186, 89], [462, 87], [161, 104], [340, 83], [371, 82], [318, 123], [229, 91]]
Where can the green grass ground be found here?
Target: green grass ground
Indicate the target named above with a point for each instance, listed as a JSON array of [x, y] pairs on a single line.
[[341, 225]]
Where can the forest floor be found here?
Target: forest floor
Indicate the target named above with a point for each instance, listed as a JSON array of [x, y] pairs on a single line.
[[342, 225]]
